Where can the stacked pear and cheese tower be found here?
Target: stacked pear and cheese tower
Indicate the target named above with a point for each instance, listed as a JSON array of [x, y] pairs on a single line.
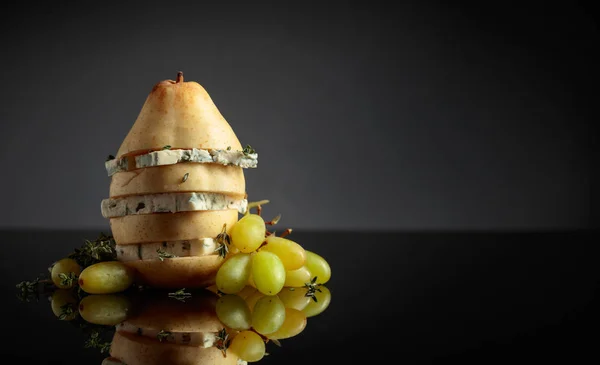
[[176, 181]]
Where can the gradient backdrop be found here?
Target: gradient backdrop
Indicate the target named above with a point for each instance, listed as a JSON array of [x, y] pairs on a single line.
[[364, 116]]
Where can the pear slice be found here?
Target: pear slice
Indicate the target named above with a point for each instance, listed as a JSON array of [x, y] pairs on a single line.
[[180, 115]]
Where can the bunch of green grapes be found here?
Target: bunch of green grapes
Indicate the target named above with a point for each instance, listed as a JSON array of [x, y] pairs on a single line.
[[254, 318], [267, 262]]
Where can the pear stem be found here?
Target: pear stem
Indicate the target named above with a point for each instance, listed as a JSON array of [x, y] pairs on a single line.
[[179, 77]]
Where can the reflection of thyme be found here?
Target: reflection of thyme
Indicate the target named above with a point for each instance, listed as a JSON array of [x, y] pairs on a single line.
[[312, 287], [162, 255], [66, 311], [94, 341], [28, 290], [223, 341], [180, 295]]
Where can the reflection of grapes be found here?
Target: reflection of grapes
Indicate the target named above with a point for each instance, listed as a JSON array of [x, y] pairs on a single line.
[[268, 272], [106, 278], [294, 323], [104, 309], [233, 275], [323, 299], [252, 299], [318, 267], [233, 312], [292, 255], [297, 278], [64, 273], [248, 345], [64, 304], [248, 233], [294, 298], [268, 315]]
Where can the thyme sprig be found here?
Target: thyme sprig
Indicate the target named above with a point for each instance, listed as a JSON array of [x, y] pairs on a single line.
[[91, 252], [248, 150], [312, 287], [29, 290], [68, 280], [223, 341], [223, 240], [162, 255], [180, 295], [163, 335]]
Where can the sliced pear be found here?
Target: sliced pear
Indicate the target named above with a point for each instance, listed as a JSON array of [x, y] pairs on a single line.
[[168, 179]]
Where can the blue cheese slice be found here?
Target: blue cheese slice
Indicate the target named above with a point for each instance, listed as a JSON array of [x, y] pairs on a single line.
[[199, 339], [171, 157], [150, 251], [170, 203]]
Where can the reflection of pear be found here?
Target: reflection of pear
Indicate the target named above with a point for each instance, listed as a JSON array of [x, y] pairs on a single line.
[[185, 325], [181, 115]]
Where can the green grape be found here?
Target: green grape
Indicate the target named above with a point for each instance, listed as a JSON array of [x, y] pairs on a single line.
[[64, 304], [323, 299], [106, 278], [292, 255], [297, 278], [104, 309], [251, 281], [233, 274], [248, 346], [233, 312], [318, 267], [294, 298], [268, 314], [268, 272], [248, 233], [61, 273], [252, 299], [295, 322]]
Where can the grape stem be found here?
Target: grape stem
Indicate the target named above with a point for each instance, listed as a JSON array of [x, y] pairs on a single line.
[[286, 232]]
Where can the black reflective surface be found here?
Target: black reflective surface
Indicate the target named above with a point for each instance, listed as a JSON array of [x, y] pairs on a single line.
[[407, 297]]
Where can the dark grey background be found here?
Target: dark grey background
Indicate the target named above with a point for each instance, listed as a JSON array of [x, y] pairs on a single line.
[[364, 116]]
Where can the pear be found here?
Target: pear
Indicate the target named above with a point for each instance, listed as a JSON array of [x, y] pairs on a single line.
[[181, 115]]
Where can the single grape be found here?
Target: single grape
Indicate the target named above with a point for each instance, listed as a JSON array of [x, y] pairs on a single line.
[[234, 312], [106, 278], [233, 275], [104, 309], [248, 346], [248, 233], [295, 322], [252, 299], [318, 267], [292, 255], [64, 273], [64, 304], [294, 298], [268, 272], [297, 278], [323, 299], [268, 314]]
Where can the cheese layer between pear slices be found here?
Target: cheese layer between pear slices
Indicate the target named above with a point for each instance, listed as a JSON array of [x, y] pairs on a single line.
[[212, 178], [171, 157], [200, 339], [170, 203], [150, 251]]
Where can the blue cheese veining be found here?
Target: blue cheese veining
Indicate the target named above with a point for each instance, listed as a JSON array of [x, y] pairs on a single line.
[[170, 203], [171, 157]]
